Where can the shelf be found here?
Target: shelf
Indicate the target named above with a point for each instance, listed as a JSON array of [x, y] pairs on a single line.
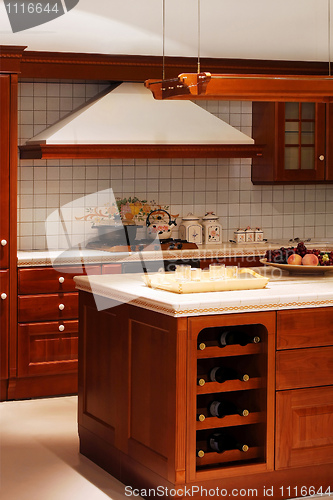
[[92, 151], [231, 385], [231, 420], [230, 350], [213, 458]]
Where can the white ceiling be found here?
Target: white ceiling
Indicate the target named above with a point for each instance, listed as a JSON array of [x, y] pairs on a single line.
[[254, 29]]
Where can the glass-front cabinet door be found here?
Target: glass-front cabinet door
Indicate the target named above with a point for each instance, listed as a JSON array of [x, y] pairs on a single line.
[[297, 140], [303, 152], [302, 141]]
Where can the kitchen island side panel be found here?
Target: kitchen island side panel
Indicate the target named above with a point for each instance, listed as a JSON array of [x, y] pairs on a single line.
[[132, 388]]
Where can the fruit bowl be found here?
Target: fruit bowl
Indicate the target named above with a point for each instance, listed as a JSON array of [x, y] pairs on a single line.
[[298, 269]]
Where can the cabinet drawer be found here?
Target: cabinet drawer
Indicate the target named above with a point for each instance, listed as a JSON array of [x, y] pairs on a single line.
[[304, 427], [309, 328], [47, 348], [46, 307], [304, 368], [49, 280]]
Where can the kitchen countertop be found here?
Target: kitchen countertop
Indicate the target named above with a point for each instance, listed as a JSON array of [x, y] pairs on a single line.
[[283, 291], [85, 256]]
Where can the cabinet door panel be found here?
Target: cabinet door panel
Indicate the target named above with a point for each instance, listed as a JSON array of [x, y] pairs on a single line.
[[4, 169], [304, 427], [43, 349], [49, 280], [4, 314], [299, 368], [312, 328], [33, 308]]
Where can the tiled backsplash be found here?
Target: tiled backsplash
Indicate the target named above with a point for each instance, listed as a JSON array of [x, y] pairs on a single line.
[[220, 185]]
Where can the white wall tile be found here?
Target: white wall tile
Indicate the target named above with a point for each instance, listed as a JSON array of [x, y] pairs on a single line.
[[187, 185]]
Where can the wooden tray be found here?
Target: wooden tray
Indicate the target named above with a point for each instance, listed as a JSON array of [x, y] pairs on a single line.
[[247, 280]]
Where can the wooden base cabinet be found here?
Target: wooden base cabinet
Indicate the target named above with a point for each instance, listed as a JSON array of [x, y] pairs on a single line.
[[47, 331], [304, 383], [144, 388]]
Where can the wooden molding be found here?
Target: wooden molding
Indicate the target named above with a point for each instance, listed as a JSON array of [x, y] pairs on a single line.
[[85, 151], [10, 58], [67, 65]]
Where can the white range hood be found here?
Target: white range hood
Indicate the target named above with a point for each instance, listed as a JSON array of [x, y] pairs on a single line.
[[129, 114], [127, 120]]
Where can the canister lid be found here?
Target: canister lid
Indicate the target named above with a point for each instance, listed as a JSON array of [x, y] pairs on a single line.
[[190, 216], [210, 216]]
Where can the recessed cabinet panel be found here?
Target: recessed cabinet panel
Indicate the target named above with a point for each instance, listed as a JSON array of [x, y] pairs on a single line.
[[304, 427], [4, 169], [47, 348], [4, 317]]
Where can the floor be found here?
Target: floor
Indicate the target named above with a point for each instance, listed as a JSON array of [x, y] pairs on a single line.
[[39, 457]]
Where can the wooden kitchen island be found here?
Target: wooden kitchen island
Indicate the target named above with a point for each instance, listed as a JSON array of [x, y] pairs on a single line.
[[139, 397]]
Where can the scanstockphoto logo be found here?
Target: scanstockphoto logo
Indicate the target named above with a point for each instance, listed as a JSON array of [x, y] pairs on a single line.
[[25, 14]]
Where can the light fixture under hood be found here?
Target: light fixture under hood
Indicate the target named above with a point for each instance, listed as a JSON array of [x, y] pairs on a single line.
[[127, 122]]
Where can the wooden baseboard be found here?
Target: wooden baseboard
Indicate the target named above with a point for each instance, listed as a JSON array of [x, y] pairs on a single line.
[[34, 387], [3, 390]]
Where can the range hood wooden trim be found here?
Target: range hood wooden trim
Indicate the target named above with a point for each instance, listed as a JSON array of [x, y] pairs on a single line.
[[96, 151]]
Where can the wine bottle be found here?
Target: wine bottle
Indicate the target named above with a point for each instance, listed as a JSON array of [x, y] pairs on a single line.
[[221, 374], [222, 408], [200, 453], [201, 417], [232, 337], [223, 441], [201, 381]]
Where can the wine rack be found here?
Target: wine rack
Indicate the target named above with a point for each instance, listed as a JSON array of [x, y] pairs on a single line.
[[250, 395]]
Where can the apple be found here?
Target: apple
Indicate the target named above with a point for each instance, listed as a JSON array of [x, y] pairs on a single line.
[[310, 259], [295, 259]]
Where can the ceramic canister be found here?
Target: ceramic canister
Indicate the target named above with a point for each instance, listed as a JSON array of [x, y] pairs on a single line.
[[258, 234], [249, 234], [239, 236], [190, 229], [212, 229]]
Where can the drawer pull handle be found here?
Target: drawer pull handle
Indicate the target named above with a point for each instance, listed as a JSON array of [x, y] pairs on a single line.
[[61, 279], [61, 307], [3, 243], [321, 157], [3, 296], [61, 328]]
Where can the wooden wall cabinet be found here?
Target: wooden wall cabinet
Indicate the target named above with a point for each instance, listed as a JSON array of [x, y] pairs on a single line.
[[297, 138]]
